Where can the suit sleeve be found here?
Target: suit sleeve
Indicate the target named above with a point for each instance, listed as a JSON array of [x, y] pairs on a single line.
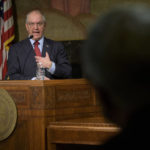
[[63, 67]]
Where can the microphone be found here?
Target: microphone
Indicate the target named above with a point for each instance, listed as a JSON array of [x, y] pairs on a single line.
[[30, 36]]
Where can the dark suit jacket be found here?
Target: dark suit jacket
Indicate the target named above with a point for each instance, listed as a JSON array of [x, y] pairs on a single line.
[[22, 65]]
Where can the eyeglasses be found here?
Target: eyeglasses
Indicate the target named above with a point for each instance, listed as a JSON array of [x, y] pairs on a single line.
[[32, 24]]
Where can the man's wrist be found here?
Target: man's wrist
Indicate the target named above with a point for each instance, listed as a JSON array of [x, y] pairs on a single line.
[[49, 65], [52, 68]]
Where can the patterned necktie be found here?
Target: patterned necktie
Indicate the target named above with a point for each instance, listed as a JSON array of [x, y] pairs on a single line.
[[36, 48]]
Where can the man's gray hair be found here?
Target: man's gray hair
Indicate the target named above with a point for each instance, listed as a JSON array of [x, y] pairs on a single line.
[[38, 11]]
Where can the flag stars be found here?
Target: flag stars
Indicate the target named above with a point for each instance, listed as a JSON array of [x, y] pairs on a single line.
[[1, 8]]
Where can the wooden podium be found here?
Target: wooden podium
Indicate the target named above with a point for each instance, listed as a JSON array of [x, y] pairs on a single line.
[[41, 102]]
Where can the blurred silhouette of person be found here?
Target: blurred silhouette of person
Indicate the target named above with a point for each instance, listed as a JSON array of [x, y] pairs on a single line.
[[116, 59], [22, 59]]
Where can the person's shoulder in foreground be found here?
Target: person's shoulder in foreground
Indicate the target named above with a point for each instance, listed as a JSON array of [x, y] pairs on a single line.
[[116, 60]]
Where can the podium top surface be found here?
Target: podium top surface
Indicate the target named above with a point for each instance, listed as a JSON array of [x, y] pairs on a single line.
[[44, 82]]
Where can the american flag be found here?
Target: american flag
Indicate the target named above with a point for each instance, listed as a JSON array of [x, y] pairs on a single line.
[[6, 34]]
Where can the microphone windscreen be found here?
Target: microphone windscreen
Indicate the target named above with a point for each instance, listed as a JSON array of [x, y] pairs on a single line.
[[30, 36]]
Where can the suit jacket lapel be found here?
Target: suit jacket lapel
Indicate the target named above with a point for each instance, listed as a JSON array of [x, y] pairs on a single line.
[[28, 47], [46, 47], [29, 55]]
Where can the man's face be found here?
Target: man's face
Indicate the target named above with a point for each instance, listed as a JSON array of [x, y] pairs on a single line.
[[35, 25]]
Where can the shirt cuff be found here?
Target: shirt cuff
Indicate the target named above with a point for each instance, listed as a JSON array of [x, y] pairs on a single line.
[[52, 69], [34, 78]]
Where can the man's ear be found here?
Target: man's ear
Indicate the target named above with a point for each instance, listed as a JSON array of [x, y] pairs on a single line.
[[45, 25], [27, 27]]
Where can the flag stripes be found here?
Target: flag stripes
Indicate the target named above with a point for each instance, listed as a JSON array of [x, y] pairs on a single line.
[[6, 33]]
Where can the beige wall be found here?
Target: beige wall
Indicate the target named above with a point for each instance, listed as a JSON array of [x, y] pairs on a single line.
[[99, 6], [61, 26]]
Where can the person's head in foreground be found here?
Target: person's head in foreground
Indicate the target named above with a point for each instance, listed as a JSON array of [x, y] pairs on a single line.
[[116, 59]]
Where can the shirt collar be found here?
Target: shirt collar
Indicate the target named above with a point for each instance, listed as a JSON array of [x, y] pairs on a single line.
[[40, 41]]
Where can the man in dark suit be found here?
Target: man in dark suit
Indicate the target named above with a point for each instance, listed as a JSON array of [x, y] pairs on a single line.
[[116, 60], [22, 59]]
